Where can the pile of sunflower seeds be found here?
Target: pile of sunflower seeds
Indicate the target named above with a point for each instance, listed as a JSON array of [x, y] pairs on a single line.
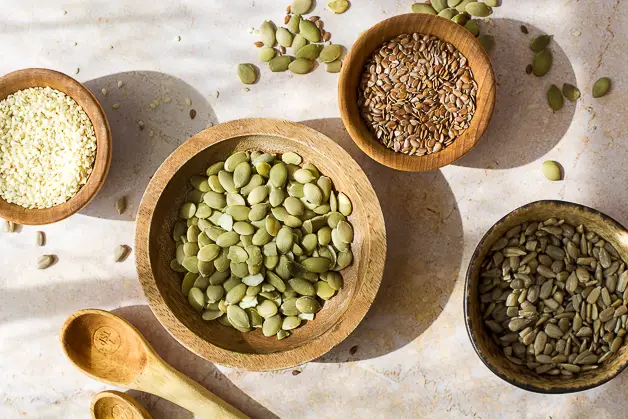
[[417, 94], [262, 240], [554, 297]]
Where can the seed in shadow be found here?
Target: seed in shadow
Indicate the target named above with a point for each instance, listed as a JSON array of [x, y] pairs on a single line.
[[192, 113], [296, 372], [353, 350]]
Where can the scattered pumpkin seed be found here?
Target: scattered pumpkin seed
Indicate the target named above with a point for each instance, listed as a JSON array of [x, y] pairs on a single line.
[[338, 6], [539, 43], [301, 7], [45, 261], [542, 63], [601, 87], [301, 66], [571, 92], [551, 170], [478, 9], [309, 31], [266, 54], [423, 8], [555, 98], [309, 52], [330, 53]]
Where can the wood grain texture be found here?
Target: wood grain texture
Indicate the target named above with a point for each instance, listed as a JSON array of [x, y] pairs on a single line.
[[155, 248], [353, 68], [117, 405], [520, 376], [40, 77], [109, 349]]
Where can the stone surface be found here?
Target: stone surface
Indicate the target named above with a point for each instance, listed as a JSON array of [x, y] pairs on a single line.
[[413, 357]]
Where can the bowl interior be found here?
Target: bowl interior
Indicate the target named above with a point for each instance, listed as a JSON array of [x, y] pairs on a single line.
[[489, 352], [447, 31], [338, 317], [37, 77]]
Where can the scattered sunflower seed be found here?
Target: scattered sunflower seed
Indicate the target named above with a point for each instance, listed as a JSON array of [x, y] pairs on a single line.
[[120, 252], [40, 238], [9, 226], [121, 205], [45, 261]]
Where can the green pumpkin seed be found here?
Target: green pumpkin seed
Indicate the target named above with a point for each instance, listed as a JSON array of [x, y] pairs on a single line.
[[439, 5], [328, 54], [292, 221], [193, 233], [267, 309], [493, 3], [226, 221], [293, 24], [284, 37], [203, 211], [277, 65], [276, 197], [453, 3], [298, 42], [324, 236], [334, 279], [261, 237], [316, 264], [309, 52], [478, 9], [539, 43], [238, 317], [278, 175], [309, 31], [323, 290], [291, 158], [542, 63], [196, 298], [345, 232], [313, 193], [334, 67], [215, 168], [571, 92], [187, 210], [555, 98], [266, 54], [214, 184], [487, 41], [263, 168], [211, 314], [294, 206], [289, 307], [551, 170], [237, 254], [462, 6], [422, 8], [253, 280], [179, 229], [301, 66], [234, 199], [247, 73], [308, 305], [239, 270], [338, 6], [344, 259], [258, 212], [234, 160], [272, 325], [254, 317], [301, 6], [188, 283], [190, 249], [256, 180], [214, 293], [304, 176], [270, 262], [267, 34], [335, 239], [258, 195], [243, 228], [238, 213], [284, 240], [473, 27], [215, 200], [344, 204], [218, 278], [200, 183], [236, 293], [302, 286], [195, 196], [601, 87], [272, 226], [448, 13], [290, 322], [227, 239], [226, 181]]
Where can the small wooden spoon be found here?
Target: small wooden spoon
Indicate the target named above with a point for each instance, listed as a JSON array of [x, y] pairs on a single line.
[[111, 350], [116, 405]]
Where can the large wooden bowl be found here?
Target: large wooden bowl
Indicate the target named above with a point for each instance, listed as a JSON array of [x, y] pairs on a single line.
[[155, 248], [353, 68], [40, 77], [520, 376]]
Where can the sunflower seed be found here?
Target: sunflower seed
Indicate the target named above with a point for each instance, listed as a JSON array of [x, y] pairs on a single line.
[[45, 261]]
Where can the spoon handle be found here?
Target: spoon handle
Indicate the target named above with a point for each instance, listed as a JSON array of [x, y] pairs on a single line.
[[168, 383]]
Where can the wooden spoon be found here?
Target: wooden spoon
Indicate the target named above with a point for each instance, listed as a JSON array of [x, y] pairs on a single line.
[[114, 405], [111, 350]]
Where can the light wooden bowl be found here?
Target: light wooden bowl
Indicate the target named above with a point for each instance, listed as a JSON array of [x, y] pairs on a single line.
[[40, 77], [520, 376], [353, 68], [155, 248]]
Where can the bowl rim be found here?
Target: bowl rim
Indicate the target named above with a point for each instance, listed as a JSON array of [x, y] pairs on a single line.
[[102, 160], [311, 349], [368, 144], [559, 389]]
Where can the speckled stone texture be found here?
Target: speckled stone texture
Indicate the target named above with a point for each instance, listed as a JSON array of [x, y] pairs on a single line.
[[413, 357]]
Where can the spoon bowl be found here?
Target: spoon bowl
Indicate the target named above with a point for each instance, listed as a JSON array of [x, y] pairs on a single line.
[[116, 405], [109, 349]]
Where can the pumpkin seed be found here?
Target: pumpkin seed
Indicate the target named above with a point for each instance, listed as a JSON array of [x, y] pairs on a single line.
[[315, 264], [423, 8], [328, 54], [555, 98], [552, 170], [448, 13], [601, 87], [338, 6], [539, 43], [309, 52], [462, 18], [299, 42], [344, 205], [571, 92], [345, 232], [301, 66], [121, 251], [542, 63], [278, 64], [267, 34], [308, 305], [478, 9], [301, 6], [247, 73], [453, 3], [187, 210], [272, 325], [293, 24], [196, 298], [334, 66], [473, 27], [284, 37], [309, 31]]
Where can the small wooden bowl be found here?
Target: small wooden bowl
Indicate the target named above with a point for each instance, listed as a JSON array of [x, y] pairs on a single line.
[[40, 77], [353, 68], [113, 404], [155, 247], [520, 376]]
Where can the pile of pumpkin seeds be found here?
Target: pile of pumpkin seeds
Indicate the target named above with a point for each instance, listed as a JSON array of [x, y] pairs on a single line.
[[554, 297], [463, 13], [307, 38], [262, 240]]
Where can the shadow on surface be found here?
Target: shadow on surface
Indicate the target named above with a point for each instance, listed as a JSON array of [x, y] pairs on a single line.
[[523, 127], [137, 154], [201, 371], [424, 239]]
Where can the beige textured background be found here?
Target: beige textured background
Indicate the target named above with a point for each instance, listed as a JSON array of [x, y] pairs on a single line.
[[414, 358]]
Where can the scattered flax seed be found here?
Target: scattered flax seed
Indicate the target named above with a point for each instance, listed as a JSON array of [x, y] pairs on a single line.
[[296, 372], [524, 29], [116, 106], [353, 350], [192, 113]]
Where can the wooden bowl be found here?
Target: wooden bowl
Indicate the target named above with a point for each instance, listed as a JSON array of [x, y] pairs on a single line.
[[353, 68], [155, 248], [520, 376], [40, 77]]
